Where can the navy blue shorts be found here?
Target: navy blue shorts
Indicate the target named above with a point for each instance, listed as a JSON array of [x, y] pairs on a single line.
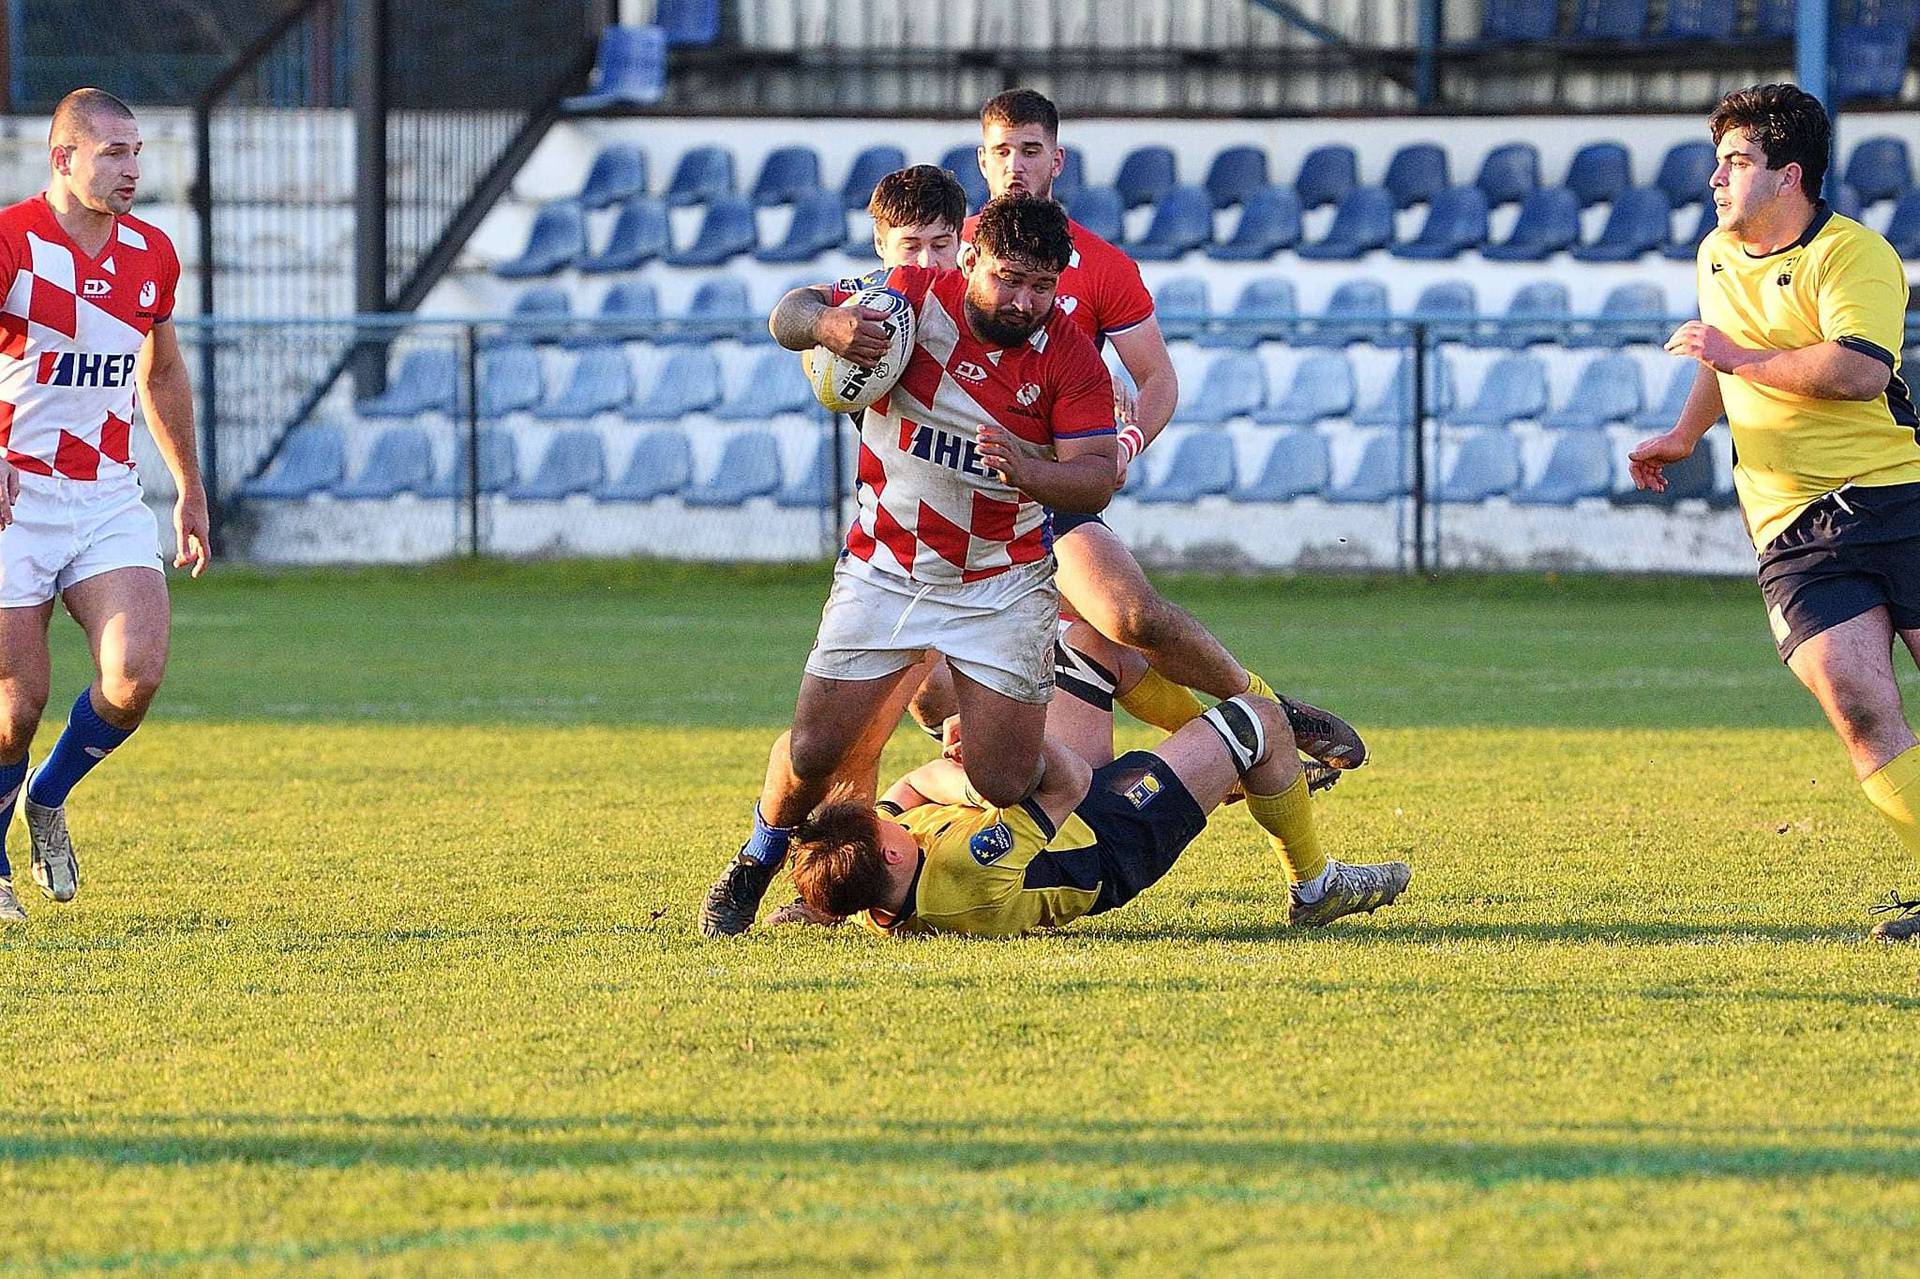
[[1064, 522], [1143, 817], [1850, 552]]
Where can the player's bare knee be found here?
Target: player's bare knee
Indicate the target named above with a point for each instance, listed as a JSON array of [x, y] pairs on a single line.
[[1273, 719], [131, 690], [19, 716], [815, 756], [997, 783]]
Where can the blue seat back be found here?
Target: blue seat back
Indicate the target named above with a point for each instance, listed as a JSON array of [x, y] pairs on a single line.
[[866, 171], [1508, 20], [498, 465], [1364, 219], [1072, 175], [601, 382], [575, 462], [639, 236], [1457, 218], [1381, 474], [1608, 390], [1269, 222], [311, 459], [775, 384], [1638, 222], [1098, 209], [619, 173], [689, 382], [1686, 174], [703, 174], [1508, 173], [1598, 172], [1513, 390], [1145, 176], [631, 300], [541, 313], [819, 226], [716, 301], [1297, 465], [1234, 385], [1486, 465], [1357, 312], [1549, 220], [1580, 465], [785, 175], [1395, 405], [1182, 222], [1452, 304], [1202, 466], [1326, 175], [1416, 174], [1879, 169], [1869, 61], [661, 464], [749, 466], [401, 462], [688, 22], [1903, 229], [1182, 306], [1697, 20], [1610, 19], [1235, 174], [509, 380], [631, 65], [558, 236], [727, 230], [963, 162], [428, 381], [1321, 387]]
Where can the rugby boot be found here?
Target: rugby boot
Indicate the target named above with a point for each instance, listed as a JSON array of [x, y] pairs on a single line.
[[798, 912], [1324, 735], [11, 912], [51, 858], [1905, 924], [1348, 891], [734, 899]]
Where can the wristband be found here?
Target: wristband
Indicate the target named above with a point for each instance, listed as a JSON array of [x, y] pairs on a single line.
[[1133, 442], [890, 808]]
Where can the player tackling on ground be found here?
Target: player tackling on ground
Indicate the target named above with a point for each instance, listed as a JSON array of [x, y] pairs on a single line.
[[86, 300], [1799, 336]]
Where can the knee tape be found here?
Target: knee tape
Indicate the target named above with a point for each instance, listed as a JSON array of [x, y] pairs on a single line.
[[1241, 730]]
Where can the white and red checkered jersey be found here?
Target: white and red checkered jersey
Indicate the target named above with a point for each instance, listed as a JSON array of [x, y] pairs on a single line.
[[1101, 290], [929, 509], [71, 327]]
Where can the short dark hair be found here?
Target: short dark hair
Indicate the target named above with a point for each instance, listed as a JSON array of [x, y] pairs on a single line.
[[1789, 125], [918, 195], [1030, 227], [78, 110], [835, 857], [1016, 107]]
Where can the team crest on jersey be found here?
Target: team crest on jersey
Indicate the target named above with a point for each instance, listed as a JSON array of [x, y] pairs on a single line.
[[1141, 793], [148, 292], [95, 288], [990, 845], [1786, 272], [968, 371], [1027, 395]]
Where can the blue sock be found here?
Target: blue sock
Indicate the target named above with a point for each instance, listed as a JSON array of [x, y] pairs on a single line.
[[87, 740], [11, 775], [767, 845]]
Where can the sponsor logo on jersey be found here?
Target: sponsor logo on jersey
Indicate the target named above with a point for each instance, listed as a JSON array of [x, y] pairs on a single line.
[[990, 845], [1717, 268], [1141, 793], [95, 288], [942, 448], [84, 368], [968, 371]]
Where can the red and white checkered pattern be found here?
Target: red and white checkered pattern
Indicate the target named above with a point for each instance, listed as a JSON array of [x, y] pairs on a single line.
[[70, 327], [929, 510]]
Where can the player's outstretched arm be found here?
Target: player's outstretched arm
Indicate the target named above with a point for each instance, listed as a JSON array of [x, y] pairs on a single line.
[[1702, 410], [166, 397], [1823, 371], [1143, 349]]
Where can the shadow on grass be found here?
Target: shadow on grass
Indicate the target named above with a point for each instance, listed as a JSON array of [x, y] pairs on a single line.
[[1611, 932]]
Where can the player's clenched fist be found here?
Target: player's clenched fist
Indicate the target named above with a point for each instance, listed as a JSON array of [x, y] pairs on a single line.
[[1706, 344], [852, 332], [1649, 456], [9, 493]]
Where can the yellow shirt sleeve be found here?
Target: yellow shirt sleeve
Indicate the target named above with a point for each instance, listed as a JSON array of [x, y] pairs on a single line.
[[1862, 294]]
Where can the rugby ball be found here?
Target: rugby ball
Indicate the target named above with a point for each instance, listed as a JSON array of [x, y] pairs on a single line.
[[842, 386]]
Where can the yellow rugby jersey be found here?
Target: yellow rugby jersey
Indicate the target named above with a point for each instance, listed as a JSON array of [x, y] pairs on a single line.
[[1840, 282], [973, 871]]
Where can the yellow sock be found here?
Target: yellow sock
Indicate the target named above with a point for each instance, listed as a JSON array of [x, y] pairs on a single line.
[[1260, 688], [1158, 701], [1288, 819], [1888, 791]]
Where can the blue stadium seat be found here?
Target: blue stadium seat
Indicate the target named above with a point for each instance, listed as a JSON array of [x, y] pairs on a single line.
[[1456, 222], [720, 308], [1549, 221], [619, 173], [868, 168], [1394, 407], [813, 487], [660, 465], [1513, 390], [1638, 223], [1357, 312], [639, 236], [1363, 223], [1686, 174], [1487, 464], [1381, 474], [704, 174], [1201, 466], [558, 238], [631, 305], [1645, 305], [1662, 415], [1182, 222], [1449, 308], [1509, 173], [538, 315], [1416, 173], [1903, 230], [1607, 391], [1296, 466], [1610, 20], [498, 466], [689, 383], [787, 174], [727, 230], [1844, 201], [1508, 21], [1697, 20], [428, 381], [749, 467], [1879, 169], [509, 381], [1235, 174], [601, 382], [1072, 175], [1538, 312], [775, 384], [1098, 210], [1598, 173], [401, 462], [1269, 222], [1145, 176], [688, 22], [1869, 61], [963, 162], [575, 463], [1322, 388], [819, 226], [1580, 465], [312, 459], [629, 70], [1234, 385], [1182, 306], [1326, 176], [1775, 19], [1265, 307], [1687, 247]]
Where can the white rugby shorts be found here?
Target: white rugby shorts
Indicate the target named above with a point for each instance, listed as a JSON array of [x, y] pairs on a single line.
[[997, 632], [66, 531]]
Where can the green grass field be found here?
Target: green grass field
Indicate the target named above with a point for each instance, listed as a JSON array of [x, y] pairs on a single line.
[[383, 964]]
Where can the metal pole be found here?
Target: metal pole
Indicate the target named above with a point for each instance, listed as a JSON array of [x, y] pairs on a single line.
[[470, 360], [369, 89], [1426, 76], [1418, 413], [1812, 23], [209, 396]]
